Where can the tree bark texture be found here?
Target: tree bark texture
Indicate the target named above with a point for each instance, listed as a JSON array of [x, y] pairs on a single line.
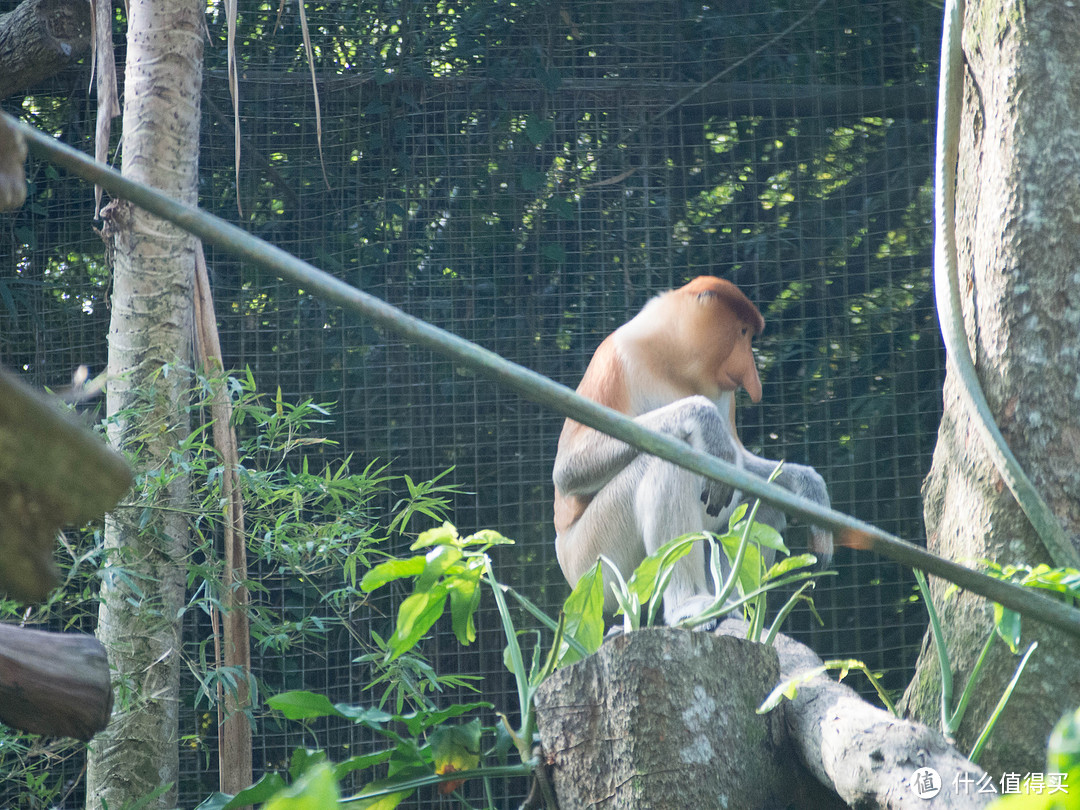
[[664, 718], [863, 753], [667, 718], [39, 39], [149, 357], [1018, 191], [55, 684], [12, 168], [53, 471]]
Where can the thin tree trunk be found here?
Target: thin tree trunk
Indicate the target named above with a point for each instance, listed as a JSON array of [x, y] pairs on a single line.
[[149, 357], [1017, 196]]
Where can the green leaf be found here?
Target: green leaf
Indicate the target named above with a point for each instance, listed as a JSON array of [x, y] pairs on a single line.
[[400, 774], [1063, 752], [455, 748], [445, 535], [366, 716], [269, 785], [531, 179], [553, 251], [416, 615], [789, 564], [300, 705], [390, 571], [764, 535], [788, 689], [360, 762], [1007, 625], [650, 572], [487, 537], [538, 129], [303, 759], [436, 563], [749, 574], [420, 721], [584, 611], [315, 790], [464, 599], [736, 518]]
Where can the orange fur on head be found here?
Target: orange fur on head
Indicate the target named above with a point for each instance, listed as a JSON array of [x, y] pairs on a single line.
[[743, 307]]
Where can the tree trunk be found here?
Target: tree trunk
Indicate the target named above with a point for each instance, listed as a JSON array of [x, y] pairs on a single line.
[[648, 722], [1017, 196], [149, 357]]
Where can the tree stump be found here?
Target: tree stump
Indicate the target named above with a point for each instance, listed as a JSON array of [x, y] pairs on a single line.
[[664, 718]]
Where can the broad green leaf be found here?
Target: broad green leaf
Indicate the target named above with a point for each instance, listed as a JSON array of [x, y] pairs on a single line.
[[538, 129], [652, 569], [750, 570], [416, 615], [531, 179], [445, 535], [303, 759], [789, 564], [269, 785], [420, 721], [763, 535], [400, 774], [487, 537], [455, 748], [436, 563], [315, 790], [360, 762], [464, 599], [584, 611], [300, 705], [390, 571], [1063, 752], [367, 716]]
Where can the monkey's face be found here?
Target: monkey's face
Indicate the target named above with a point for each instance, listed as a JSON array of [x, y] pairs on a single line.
[[739, 367], [718, 324]]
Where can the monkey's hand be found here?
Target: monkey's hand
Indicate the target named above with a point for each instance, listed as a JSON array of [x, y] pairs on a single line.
[[705, 428], [716, 496], [802, 481]]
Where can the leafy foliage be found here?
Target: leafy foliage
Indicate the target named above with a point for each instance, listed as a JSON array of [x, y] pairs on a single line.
[[321, 527]]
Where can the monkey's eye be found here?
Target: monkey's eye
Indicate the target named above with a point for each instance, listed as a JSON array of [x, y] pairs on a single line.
[[745, 330]]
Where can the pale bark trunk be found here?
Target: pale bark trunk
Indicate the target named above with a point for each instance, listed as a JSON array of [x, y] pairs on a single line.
[[149, 356], [1019, 244]]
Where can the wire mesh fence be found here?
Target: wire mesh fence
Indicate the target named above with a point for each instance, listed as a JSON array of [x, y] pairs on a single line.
[[527, 175]]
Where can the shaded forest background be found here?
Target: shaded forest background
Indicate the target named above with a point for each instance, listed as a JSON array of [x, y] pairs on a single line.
[[527, 175]]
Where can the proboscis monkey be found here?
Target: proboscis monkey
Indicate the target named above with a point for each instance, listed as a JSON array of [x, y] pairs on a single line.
[[675, 368]]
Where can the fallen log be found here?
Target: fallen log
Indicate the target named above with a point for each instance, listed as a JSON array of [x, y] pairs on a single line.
[[53, 683], [863, 753]]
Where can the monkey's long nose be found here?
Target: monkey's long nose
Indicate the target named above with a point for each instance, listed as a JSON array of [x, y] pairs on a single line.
[[752, 382]]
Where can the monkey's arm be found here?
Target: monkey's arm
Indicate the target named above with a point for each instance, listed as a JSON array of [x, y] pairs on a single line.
[[588, 460], [803, 481]]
